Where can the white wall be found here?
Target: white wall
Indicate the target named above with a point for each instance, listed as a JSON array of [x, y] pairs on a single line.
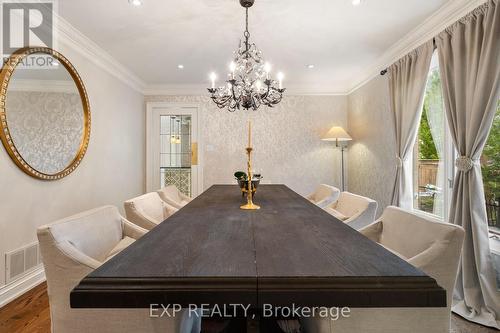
[[372, 154], [111, 172], [287, 144]]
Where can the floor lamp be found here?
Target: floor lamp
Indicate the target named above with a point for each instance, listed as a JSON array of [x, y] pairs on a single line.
[[340, 136]]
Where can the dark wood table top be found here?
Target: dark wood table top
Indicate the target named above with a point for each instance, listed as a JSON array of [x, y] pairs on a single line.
[[289, 251]]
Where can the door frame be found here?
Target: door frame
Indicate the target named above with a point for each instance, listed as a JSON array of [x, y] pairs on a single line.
[[173, 109]]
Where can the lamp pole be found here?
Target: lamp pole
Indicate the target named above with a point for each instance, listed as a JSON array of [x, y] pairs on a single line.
[[342, 181], [338, 134], [343, 177]]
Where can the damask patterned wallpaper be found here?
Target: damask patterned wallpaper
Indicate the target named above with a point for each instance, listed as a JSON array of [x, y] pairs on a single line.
[[46, 127], [287, 140], [372, 153]]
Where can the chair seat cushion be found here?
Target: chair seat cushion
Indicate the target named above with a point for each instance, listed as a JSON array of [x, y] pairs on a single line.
[[122, 245], [337, 214]]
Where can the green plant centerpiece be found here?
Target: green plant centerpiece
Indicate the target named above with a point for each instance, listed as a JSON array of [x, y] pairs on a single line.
[[242, 179]]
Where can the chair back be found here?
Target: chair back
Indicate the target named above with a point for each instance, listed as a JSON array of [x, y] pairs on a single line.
[[350, 204], [94, 232], [148, 205], [324, 194], [411, 234], [172, 196]]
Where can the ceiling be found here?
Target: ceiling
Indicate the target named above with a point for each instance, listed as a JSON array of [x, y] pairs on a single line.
[[340, 39]]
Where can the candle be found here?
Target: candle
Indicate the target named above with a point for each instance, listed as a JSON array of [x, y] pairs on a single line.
[[249, 134], [213, 77], [267, 69], [232, 67], [280, 79]]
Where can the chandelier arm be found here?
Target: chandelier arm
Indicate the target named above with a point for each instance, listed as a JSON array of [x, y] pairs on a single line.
[[219, 105], [278, 100], [274, 97], [221, 101], [268, 88], [232, 92], [227, 100], [218, 102]]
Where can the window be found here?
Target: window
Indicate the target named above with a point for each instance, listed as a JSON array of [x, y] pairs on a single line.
[[490, 165], [433, 152]]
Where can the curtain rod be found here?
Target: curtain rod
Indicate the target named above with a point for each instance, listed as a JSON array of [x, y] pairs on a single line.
[[384, 71]]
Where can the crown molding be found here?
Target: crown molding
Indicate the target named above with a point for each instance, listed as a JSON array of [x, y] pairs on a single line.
[[67, 34], [175, 89], [199, 89], [445, 16]]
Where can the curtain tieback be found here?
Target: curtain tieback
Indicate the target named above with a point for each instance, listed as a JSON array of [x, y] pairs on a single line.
[[465, 163], [399, 162]]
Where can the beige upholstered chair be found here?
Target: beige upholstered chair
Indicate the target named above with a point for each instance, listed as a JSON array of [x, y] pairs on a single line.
[[72, 248], [172, 196], [426, 243], [148, 210], [354, 210], [324, 195]]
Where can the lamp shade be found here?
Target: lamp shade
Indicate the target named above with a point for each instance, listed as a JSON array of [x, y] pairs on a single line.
[[336, 133]]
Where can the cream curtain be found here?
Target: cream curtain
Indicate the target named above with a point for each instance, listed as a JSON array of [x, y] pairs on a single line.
[[407, 81], [469, 55]]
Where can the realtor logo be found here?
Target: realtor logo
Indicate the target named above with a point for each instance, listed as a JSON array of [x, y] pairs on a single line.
[[26, 23]]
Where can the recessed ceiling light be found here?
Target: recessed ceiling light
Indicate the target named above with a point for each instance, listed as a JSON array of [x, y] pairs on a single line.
[[356, 2], [135, 3], [310, 66], [180, 66]]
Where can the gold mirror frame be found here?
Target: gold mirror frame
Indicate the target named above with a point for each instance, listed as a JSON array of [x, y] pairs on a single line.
[[5, 75]]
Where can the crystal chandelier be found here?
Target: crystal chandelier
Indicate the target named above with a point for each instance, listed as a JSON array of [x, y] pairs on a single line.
[[249, 84]]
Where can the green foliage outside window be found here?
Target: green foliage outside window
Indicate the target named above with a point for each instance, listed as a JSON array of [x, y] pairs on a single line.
[[426, 146], [490, 160]]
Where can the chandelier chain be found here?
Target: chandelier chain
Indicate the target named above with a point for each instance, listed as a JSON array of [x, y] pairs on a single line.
[[246, 20], [247, 33]]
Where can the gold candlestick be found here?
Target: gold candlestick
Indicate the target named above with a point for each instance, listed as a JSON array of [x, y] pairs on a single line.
[[249, 191]]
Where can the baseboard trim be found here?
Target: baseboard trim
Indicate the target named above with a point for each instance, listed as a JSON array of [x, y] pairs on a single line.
[[17, 288]]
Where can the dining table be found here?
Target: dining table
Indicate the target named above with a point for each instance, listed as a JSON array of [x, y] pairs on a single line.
[[289, 252]]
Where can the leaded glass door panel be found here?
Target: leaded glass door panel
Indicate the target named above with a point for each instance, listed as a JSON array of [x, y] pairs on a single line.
[[172, 148], [175, 152]]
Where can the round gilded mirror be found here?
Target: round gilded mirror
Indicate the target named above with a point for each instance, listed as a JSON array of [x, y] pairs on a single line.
[[44, 113]]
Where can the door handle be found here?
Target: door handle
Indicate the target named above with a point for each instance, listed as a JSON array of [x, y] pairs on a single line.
[[194, 153]]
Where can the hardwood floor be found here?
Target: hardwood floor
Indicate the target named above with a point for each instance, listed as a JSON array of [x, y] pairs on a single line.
[[30, 314]]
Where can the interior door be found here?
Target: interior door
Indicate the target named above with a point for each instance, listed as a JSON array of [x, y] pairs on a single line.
[[173, 148]]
